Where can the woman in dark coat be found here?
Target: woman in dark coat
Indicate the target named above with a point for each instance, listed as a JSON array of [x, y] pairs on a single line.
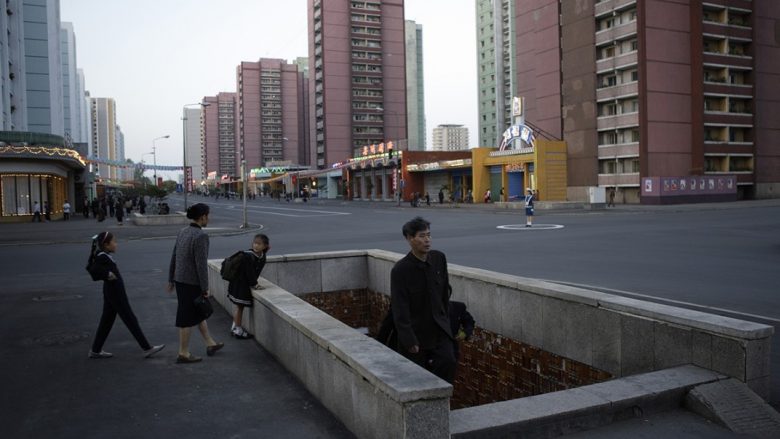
[[188, 272], [102, 267], [240, 289]]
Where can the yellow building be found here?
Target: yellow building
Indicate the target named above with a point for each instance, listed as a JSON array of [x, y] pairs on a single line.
[[541, 168]]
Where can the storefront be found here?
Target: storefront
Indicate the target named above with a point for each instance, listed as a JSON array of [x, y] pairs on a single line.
[[48, 175], [541, 168]]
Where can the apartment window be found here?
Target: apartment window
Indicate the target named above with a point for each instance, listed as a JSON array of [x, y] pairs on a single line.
[[608, 109]]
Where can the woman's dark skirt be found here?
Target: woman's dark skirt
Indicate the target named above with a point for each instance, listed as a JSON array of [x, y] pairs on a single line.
[[186, 313]]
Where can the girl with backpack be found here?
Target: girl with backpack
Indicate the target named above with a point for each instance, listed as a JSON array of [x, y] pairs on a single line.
[[101, 266], [240, 287]]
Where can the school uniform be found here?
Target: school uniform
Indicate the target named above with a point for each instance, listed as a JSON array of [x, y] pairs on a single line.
[[529, 205], [114, 302], [240, 290]]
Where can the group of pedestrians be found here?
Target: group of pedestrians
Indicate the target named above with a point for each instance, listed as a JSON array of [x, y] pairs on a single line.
[[187, 276]]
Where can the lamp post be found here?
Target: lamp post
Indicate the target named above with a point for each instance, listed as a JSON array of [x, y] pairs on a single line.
[[154, 154], [144, 163], [184, 146], [245, 225]]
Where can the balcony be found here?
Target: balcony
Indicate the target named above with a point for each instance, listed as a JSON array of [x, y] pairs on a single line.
[[619, 150], [723, 59], [617, 121], [615, 33], [616, 91], [730, 31], [606, 7], [617, 62], [741, 119]]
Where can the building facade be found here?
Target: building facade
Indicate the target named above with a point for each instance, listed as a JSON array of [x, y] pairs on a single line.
[[450, 138], [496, 67], [104, 136], [43, 66], [270, 116], [415, 87], [680, 90], [357, 76], [193, 143], [219, 134]]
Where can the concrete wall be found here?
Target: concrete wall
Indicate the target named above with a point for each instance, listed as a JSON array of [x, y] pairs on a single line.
[[374, 391], [378, 393]]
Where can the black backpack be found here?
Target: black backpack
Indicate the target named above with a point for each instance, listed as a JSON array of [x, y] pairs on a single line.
[[231, 266]]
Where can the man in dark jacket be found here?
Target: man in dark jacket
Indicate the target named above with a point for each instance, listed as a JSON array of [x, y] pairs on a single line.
[[419, 296]]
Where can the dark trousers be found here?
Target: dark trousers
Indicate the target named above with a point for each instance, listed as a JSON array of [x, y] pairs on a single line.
[[115, 302], [440, 360]]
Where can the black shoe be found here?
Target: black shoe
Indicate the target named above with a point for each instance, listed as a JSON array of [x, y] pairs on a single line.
[[211, 350]]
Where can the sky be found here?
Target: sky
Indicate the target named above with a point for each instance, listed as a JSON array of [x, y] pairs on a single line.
[[155, 56]]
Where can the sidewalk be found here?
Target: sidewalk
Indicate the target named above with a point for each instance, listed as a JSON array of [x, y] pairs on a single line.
[[79, 229]]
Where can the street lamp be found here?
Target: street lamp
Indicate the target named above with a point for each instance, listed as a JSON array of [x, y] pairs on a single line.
[[184, 146], [154, 154], [144, 163]]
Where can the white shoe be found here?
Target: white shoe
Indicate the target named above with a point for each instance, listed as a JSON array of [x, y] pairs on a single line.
[[153, 350], [239, 332]]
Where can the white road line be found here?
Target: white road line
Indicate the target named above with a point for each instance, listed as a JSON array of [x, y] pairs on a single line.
[[264, 210], [533, 227], [661, 299]]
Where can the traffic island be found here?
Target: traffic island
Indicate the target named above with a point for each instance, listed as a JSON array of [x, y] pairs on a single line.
[[177, 218], [627, 356]]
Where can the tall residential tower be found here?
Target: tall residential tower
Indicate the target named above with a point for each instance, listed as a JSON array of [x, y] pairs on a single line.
[[415, 89], [357, 76]]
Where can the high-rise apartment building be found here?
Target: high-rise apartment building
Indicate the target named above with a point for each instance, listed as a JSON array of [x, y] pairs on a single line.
[[357, 76], [679, 89], [104, 136], [219, 134], [72, 92], [43, 67], [31, 79], [496, 64], [450, 138], [270, 114], [193, 143], [415, 86]]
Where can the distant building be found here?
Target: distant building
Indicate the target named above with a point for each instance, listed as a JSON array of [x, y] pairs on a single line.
[[270, 116], [357, 76], [219, 134], [72, 91], [496, 68], [193, 143], [450, 138], [415, 88], [104, 136]]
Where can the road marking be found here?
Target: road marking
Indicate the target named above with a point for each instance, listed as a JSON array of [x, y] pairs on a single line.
[[534, 227], [305, 212], [661, 299]]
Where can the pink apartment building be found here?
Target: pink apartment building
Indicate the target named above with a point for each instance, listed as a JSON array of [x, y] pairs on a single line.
[[357, 76], [655, 88], [219, 134], [270, 117]]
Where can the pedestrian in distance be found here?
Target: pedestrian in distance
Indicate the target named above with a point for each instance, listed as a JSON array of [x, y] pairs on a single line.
[[486, 197], [101, 266], [36, 212], [419, 299], [120, 213], [529, 207], [188, 274], [66, 210], [461, 324], [441, 196], [427, 199], [85, 208], [501, 195], [611, 197], [110, 203], [46, 211], [240, 289]]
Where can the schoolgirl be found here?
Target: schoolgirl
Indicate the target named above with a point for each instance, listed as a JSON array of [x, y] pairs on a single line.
[[101, 266], [240, 289]]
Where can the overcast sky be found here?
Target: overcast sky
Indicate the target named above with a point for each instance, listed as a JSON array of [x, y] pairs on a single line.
[[155, 56]]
